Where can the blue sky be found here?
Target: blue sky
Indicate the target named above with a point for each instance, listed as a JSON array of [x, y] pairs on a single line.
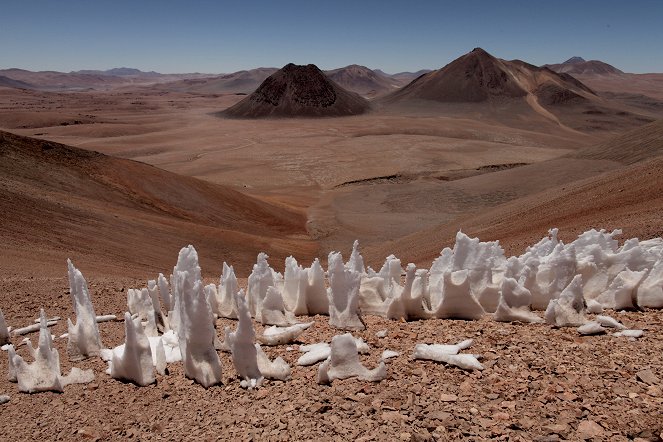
[[220, 36]]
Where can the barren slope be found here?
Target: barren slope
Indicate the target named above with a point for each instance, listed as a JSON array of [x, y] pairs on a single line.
[[362, 80], [124, 216], [629, 198]]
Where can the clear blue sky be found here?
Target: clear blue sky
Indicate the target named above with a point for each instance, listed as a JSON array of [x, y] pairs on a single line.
[[220, 36]]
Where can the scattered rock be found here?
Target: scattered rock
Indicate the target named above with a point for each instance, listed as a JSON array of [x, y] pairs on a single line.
[[648, 377], [448, 397], [89, 433], [588, 429]]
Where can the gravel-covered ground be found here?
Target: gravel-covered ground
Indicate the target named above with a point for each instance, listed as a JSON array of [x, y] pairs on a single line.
[[539, 383]]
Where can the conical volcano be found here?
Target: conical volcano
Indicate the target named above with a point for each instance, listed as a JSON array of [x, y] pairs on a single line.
[[478, 76], [474, 77], [298, 91]]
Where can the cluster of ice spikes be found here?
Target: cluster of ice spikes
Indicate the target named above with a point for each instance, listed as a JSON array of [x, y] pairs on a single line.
[[174, 319]]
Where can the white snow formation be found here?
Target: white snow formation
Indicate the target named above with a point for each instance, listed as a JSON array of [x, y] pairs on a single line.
[[222, 297], [32, 328], [629, 333], [133, 361], [650, 290], [408, 305], [314, 353], [456, 299], [83, 340], [261, 278], [196, 322], [388, 354], [272, 311], [514, 303], [343, 294], [4, 330], [591, 328], [283, 335], [242, 347], [449, 354], [569, 309], [320, 351], [44, 373], [277, 369], [164, 292], [607, 321], [176, 316], [343, 363]]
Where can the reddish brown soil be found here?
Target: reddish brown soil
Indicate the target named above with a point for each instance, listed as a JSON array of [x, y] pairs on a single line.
[[59, 202], [538, 383]]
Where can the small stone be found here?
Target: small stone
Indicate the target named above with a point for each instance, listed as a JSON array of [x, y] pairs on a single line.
[[89, 433], [4, 399], [93, 386], [405, 436], [589, 429], [393, 416], [568, 396], [561, 429], [448, 397], [473, 410], [654, 391], [648, 377], [501, 416]]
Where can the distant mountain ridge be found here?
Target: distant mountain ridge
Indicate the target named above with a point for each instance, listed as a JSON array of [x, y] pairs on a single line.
[[86, 79], [579, 66], [120, 72], [362, 80]]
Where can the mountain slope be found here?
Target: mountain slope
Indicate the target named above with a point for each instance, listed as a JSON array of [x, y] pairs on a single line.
[[9, 82], [298, 91], [478, 76], [630, 147], [59, 202], [362, 80], [627, 197], [578, 65], [243, 82]]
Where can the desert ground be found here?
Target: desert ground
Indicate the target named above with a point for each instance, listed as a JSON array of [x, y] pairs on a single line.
[[402, 178]]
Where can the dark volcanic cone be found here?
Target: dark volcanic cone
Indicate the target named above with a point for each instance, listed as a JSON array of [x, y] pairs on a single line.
[[298, 91]]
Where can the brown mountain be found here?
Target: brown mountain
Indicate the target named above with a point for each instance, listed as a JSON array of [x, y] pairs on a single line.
[[90, 79], [298, 91], [362, 80], [10, 82], [404, 78], [579, 66], [241, 82], [59, 201], [478, 76]]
